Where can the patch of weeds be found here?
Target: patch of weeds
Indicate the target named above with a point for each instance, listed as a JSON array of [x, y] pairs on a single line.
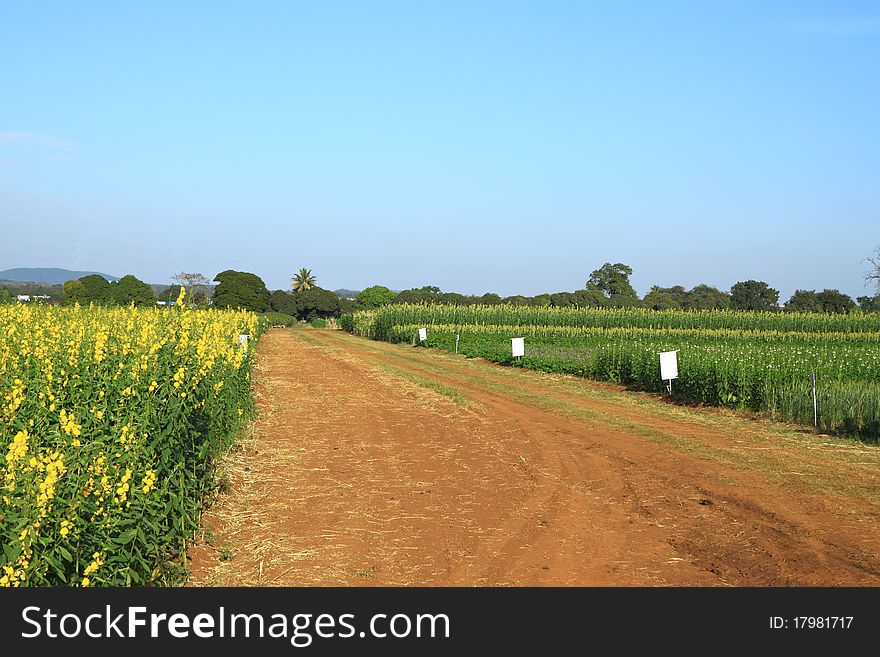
[[208, 535], [456, 396], [224, 484], [367, 573]]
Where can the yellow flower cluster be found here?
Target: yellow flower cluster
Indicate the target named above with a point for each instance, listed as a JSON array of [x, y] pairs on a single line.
[[16, 452], [92, 568], [123, 487], [12, 576], [149, 481], [68, 424], [100, 351], [53, 465], [14, 398]]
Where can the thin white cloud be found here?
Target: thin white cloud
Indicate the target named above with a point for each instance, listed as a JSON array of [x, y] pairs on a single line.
[[24, 147], [850, 27], [27, 139]]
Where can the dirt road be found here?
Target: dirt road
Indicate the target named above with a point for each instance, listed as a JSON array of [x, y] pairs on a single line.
[[377, 464]]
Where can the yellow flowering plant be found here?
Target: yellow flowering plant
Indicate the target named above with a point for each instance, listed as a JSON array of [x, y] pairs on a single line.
[[110, 420]]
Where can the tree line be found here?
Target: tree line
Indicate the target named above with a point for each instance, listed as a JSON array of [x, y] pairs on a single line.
[[609, 285]]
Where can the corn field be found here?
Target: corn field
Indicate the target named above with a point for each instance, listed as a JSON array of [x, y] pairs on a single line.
[[756, 361], [109, 423]]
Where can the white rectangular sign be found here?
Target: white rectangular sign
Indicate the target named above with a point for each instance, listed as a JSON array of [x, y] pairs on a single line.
[[242, 338], [423, 334], [668, 365], [518, 346]]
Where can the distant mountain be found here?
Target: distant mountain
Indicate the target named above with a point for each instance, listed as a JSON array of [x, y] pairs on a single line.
[[48, 275], [346, 294]]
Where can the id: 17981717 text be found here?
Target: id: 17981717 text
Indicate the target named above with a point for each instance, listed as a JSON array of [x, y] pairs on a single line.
[[811, 622]]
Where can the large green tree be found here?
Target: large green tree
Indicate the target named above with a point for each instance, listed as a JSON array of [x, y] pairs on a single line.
[[88, 289], [563, 299], [869, 304], [239, 289], [409, 296], [706, 297], [303, 280], [316, 302], [425, 294], [375, 296], [130, 289], [665, 298], [283, 302], [753, 295], [826, 301], [835, 301], [349, 306], [590, 298], [452, 298], [612, 282], [804, 301]]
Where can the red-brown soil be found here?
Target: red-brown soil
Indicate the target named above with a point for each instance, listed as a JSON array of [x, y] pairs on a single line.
[[377, 464]]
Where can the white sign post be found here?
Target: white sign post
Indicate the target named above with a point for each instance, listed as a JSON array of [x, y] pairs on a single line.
[[423, 334], [518, 347], [669, 367], [243, 339]]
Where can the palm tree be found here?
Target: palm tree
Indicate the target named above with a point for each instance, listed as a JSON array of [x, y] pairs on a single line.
[[303, 280]]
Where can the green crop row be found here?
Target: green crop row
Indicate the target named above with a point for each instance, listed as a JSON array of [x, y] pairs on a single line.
[[508, 315], [760, 368]]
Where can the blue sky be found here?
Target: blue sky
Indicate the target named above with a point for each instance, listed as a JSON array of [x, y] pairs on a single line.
[[507, 146]]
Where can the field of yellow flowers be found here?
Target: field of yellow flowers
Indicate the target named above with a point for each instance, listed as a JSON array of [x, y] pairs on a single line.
[[110, 419]]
